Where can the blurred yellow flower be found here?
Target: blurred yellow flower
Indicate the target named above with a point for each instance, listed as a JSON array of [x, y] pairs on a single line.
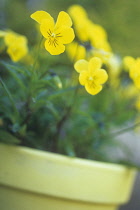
[[16, 45], [89, 34], [56, 34], [134, 69], [76, 11], [76, 51], [128, 62], [114, 69], [137, 105], [98, 37], [80, 20], [91, 74], [137, 80], [133, 66]]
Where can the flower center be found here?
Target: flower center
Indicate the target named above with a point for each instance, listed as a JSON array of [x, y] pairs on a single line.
[[90, 78], [91, 81], [53, 35], [53, 38]]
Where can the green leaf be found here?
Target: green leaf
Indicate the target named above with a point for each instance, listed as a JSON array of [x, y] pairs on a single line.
[[61, 92], [19, 69], [8, 138], [14, 71], [10, 97]]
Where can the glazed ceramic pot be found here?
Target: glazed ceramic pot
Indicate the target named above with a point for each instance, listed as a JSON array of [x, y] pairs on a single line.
[[36, 180]]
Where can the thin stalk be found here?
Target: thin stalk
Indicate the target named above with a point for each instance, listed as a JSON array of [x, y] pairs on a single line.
[[125, 129]]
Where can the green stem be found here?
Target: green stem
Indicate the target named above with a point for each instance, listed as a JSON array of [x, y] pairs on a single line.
[[9, 95], [62, 121], [34, 73], [37, 54], [126, 129]]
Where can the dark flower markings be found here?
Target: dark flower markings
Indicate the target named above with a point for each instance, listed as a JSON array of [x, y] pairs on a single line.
[[53, 38]]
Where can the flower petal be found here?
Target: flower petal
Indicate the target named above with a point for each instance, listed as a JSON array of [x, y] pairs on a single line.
[[10, 37], [38, 16], [93, 89], [16, 53], [100, 76], [81, 65], [66, 34], [128, 62], [83, 77], [137, 82], [63, 20], [47, 27], [77, 12], [95, 63], [54, 49]]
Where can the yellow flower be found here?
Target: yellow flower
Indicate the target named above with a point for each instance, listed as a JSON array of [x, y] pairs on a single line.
[[128, 62], [133, 65], [76, 51], [16, 45], [76, 11], [137, 105], [98, 37], [80, 20], [56, 34], [91, 74], [134, 69]]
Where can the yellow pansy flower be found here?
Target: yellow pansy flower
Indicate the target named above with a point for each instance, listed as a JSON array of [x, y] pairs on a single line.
[[16, 45], [88, 32], [56, 34], [91, 74]]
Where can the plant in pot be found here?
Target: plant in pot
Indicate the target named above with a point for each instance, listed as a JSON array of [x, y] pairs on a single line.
[[59, 147]]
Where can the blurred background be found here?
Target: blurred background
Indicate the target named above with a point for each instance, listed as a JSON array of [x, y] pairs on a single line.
[[120, 18]]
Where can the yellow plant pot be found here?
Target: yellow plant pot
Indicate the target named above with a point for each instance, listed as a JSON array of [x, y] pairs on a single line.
[[37, 180]]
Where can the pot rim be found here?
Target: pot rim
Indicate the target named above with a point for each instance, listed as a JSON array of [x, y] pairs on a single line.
[[79, 179]]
